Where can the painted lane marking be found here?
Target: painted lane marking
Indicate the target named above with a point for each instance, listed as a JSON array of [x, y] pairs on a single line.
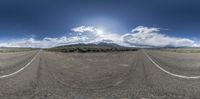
[[172, 74], [8, 75]]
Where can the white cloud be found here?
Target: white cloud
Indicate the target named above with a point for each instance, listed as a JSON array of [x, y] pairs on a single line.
[[44, 43], [21, 43], [140, 36], [143, 29], [151, 37], [97, 35], [82, 29]]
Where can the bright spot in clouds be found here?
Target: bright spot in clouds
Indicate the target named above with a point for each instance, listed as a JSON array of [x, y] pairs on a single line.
[[99, 31], [140, 36], [82, 29]]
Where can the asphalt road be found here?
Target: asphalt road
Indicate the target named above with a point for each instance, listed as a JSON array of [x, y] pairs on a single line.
[[140, 74]]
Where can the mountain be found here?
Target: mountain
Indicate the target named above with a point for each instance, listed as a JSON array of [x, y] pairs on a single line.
[[100, 47]]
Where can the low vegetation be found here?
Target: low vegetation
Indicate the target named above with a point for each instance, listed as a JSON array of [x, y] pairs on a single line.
[[83, 48], [182, 50], [6, 49]]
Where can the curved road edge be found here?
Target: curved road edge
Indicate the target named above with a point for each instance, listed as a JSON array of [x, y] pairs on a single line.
[[172, 74], [16, 72]]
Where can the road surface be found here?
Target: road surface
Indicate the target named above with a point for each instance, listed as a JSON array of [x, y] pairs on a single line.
[[128, 75]]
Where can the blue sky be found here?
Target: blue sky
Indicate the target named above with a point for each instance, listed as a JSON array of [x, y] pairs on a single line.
[[33, 21]]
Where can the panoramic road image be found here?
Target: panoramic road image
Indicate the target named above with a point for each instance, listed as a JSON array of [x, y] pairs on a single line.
[[99, 49]]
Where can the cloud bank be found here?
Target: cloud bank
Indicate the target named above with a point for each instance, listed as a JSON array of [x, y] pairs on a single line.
[[151, 37], [140, 36]]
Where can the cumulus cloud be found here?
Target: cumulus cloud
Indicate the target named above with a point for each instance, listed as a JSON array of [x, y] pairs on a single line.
[[151, 37], [140, 36], [45, 42], [82, 29], [143, 29], [97, 35]]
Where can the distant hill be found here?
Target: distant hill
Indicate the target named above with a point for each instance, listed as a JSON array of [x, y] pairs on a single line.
[[100, 47], [113, 45], [103, 45]]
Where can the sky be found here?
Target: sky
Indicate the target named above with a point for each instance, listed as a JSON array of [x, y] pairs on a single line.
[[134, 23]]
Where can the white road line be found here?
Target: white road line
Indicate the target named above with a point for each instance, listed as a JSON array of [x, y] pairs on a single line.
[[8, 75], [172, 74]]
